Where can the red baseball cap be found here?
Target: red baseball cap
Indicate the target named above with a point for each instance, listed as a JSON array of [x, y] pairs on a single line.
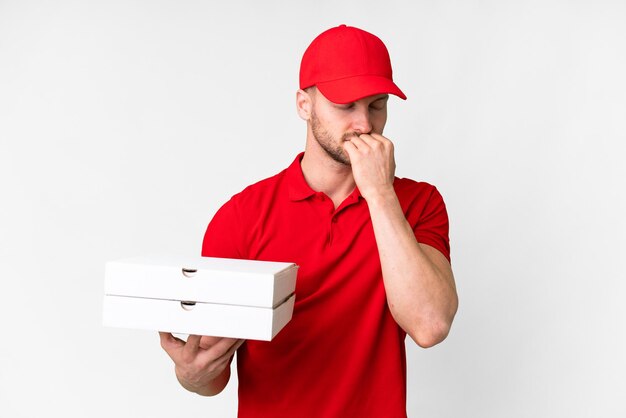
[[347, 64]]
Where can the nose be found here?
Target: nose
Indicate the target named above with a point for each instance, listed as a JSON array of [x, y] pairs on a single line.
[[361, 122]]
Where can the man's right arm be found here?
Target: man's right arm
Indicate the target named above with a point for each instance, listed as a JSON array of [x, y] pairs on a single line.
[[203, 363]]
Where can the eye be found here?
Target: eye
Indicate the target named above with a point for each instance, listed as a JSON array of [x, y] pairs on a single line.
[[379, 104]]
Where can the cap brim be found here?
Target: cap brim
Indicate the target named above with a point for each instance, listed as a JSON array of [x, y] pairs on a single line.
[[351, 89]]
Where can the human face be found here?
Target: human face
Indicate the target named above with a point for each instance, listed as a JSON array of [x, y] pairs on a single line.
[[332, 124]]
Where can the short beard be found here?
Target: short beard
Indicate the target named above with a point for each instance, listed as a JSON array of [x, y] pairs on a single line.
[[333, 149]]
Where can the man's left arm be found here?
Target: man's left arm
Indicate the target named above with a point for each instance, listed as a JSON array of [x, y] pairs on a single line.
[[418, 279]]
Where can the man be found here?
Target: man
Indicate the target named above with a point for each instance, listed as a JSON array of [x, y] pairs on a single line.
[[372, 249]]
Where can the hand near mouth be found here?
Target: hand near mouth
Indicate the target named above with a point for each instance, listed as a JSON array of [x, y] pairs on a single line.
[[373, 164]]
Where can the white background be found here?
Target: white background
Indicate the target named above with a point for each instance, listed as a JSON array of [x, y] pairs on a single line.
[[124, 125]]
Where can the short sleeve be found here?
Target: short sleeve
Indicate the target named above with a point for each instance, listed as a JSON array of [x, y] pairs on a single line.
[[223, 235], [429, 219]]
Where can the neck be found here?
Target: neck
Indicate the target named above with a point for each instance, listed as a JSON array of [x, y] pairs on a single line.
[[323, 174]]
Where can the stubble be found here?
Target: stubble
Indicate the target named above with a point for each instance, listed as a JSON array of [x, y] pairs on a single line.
[[333, 148]]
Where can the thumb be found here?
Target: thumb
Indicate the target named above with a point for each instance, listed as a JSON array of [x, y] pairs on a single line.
[[170, 344]]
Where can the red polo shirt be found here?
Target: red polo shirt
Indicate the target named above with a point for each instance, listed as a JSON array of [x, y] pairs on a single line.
[[342, 354]]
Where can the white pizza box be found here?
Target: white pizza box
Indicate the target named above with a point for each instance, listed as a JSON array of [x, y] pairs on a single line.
[[223, 297]]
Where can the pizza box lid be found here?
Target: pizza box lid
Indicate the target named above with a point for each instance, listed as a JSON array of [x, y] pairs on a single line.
[[202, 279]]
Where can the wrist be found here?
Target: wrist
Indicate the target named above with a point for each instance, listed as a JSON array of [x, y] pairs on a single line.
[[381, 196]]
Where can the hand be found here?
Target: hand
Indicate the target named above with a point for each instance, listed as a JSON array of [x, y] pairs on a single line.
[[200, 360], [373, 164]]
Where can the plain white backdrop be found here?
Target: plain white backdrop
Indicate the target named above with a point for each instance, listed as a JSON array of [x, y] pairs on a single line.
[[124, 125]]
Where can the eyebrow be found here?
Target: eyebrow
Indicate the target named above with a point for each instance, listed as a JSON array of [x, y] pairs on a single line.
[[385, 97]]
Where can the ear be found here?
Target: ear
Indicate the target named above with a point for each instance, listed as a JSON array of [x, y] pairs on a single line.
[[304, 104]]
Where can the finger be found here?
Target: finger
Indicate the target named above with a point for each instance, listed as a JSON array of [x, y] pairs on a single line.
[[233, 348], [192, 346], [169, 342], [371, 141], [379, 137], [207, 342], [350, 148], [239, 344], [385, 141], [358, 142], [222, 363], [367, 138], [220, 348], [171, 345], [227, 344], [360, 148], [228, 355]]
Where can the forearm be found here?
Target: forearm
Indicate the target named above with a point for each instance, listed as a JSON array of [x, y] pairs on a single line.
[[420, 293]]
